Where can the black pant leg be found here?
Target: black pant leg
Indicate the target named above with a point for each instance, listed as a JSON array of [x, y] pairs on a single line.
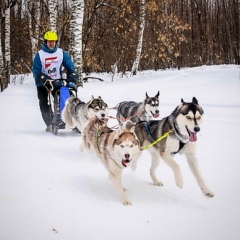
[[45, 108]]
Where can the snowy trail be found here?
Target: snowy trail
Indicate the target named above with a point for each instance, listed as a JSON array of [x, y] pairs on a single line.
[[50, 190]]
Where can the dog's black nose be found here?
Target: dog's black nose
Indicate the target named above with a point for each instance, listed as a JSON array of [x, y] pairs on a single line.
[[157, 111], [103, 114], [127, 156], [196, 129]]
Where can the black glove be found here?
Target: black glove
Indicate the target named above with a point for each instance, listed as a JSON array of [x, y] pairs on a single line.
[[72, 77], [42, 78], [71, 85]]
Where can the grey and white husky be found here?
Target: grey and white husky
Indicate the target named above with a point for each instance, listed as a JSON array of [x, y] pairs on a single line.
[[116, 150], [142, 111], [75, 112], [182, 126]]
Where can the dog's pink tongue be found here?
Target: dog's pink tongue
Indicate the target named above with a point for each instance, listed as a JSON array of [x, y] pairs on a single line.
[[105, 120], [192, 137], [123, 163], [156, 115]]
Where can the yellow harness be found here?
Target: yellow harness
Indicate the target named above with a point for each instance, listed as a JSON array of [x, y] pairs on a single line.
[[158, 140]]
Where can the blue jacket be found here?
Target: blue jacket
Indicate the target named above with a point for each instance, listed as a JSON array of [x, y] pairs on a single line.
[[37, 65]]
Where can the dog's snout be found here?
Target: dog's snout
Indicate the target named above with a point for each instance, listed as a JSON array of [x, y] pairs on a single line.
[[196, 129], [127, 156], [157, 111]]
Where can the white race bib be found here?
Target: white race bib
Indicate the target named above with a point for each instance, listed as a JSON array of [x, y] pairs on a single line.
[[51, 63]]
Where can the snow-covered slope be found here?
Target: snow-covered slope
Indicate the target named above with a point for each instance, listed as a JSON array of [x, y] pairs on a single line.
[[50, 190]]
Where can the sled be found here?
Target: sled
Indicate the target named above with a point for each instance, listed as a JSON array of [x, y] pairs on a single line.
[[57, 97]]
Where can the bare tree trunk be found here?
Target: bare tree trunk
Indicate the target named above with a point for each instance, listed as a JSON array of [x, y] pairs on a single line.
[[34, 23], [3, 82], [7, 44], [140, 38], [6, 58], [76, 23], [236, 23], [52, 5]]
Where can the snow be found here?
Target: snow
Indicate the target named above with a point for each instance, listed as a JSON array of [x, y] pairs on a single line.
[[51, 190]]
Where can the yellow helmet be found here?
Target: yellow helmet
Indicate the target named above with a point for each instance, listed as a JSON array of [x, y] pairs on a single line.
[[50, 36]]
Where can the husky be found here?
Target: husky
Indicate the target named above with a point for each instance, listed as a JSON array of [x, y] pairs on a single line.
[[181, 128], [143, 111], [115, 148], [76, 113]]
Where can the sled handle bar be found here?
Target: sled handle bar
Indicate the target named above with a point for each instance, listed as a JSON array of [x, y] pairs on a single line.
[[50, 82]]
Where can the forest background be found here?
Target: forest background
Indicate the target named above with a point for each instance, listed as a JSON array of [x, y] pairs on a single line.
[[121, 35]]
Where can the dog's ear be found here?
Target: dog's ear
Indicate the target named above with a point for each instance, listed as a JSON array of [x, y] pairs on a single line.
[[132, 130], [134, 134], [99, 97], [182, 101], [195, 101], [90, 101], [157, 95], [147, 96], [118, 133]]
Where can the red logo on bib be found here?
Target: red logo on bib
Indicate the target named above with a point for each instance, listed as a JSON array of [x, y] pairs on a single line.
[[49, 61]]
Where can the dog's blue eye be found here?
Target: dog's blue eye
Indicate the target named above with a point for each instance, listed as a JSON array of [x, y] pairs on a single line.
[[188, 117], [131, 146], [199, 118], [121, 146]]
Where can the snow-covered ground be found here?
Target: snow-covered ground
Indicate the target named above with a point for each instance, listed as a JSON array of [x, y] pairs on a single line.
[[51, 190]]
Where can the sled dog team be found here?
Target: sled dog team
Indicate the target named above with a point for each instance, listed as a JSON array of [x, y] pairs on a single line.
[[137, 131]]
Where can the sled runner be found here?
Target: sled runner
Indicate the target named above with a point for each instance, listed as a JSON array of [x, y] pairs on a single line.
[[57, 97]]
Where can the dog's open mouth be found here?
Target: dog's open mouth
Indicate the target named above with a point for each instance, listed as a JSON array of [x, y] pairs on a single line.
[[125, 162], [105, 119], [192, 136], [155, 115]]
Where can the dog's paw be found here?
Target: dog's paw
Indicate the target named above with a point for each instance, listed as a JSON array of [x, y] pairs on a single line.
[[179, 181], [126, 202], [208, 193], [158, 183]]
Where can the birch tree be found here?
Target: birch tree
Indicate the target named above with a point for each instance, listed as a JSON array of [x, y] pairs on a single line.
[[5, 59], [3, 80], [52, 6], [34, 23], [76, 24], [140, 38], [7, 43]]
